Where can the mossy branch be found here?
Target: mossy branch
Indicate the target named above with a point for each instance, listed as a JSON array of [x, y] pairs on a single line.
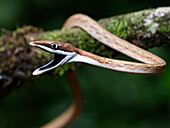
[[146, 28]]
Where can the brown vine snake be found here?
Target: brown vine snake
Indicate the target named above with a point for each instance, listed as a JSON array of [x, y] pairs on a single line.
[[66, 53]]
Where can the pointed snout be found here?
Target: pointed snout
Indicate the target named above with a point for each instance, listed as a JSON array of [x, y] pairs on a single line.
[[40, 43]]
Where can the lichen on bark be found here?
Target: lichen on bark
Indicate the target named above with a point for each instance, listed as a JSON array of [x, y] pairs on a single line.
[[146, 28]]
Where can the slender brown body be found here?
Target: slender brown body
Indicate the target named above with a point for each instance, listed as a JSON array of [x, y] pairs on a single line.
[[152, 63]]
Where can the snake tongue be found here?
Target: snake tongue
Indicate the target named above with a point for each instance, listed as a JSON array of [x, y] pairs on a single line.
[[57, 61]]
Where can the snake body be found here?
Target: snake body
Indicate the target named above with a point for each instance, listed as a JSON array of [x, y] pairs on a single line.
[[152, 64]]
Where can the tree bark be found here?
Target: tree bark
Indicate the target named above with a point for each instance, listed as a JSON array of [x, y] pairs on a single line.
[[146, 29]]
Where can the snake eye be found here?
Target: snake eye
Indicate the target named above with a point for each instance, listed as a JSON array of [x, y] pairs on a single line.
[[54, 46]]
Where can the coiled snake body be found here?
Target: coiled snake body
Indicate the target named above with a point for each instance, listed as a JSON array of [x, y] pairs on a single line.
[[66, 53]]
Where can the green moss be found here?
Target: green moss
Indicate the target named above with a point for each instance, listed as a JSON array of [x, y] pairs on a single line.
[[164, 27], [127, 26], [119, 26]]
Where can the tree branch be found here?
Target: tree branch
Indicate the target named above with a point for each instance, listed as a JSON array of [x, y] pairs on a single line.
[[146, 28]]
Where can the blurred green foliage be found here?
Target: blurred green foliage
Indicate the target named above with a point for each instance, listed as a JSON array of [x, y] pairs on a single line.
[[112, 99]]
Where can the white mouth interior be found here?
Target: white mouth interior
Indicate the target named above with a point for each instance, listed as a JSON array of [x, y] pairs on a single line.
[[57, 61]]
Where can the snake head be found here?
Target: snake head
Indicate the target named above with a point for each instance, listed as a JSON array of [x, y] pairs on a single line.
[[63, 53]]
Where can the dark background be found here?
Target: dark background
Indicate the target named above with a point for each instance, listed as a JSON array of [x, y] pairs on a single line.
[[112, 99]]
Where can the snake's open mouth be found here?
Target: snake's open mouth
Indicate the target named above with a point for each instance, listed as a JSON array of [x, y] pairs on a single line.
[[57, 61]]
